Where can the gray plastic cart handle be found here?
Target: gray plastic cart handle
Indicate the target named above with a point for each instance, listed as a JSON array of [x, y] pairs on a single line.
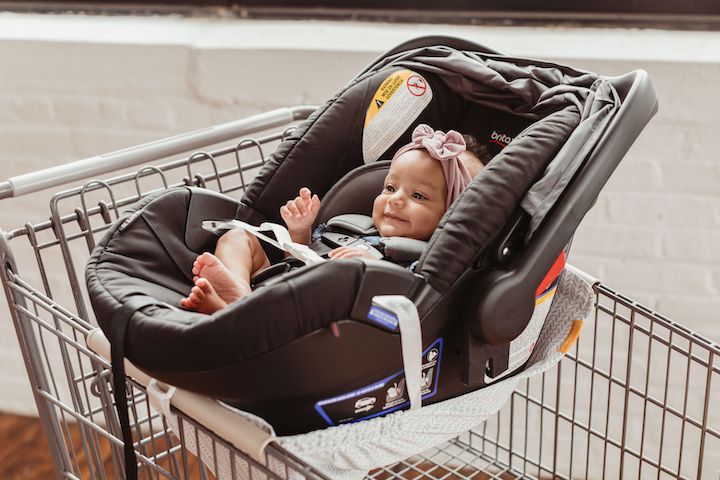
[[148, 152]]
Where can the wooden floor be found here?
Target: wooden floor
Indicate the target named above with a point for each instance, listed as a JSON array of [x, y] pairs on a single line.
[[24, 455], [23, 449]]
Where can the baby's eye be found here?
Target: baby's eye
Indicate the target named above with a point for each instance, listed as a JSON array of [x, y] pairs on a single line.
[[419, 196], [389, 188]]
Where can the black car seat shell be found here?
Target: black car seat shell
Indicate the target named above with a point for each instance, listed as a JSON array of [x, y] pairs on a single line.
[[307, 337]]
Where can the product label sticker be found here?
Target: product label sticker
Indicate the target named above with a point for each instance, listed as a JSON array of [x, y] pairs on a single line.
[[523, 345], [384, 396], [397, 103], [383, 317]]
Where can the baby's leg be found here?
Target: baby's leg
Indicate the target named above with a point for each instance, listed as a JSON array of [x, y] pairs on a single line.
[[238, 256]]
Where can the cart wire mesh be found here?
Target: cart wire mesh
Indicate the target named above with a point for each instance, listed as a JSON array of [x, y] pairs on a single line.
[[636, 397]]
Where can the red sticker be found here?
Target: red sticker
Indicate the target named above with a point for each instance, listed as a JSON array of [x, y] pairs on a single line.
[[416, 85]]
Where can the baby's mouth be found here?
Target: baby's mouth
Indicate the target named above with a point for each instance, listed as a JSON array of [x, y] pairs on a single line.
[[392, 216]]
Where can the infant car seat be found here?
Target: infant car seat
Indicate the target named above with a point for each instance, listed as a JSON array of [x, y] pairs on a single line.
[[309, 350]]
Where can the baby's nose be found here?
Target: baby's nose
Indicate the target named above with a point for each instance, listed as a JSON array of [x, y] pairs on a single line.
[[397, 197]]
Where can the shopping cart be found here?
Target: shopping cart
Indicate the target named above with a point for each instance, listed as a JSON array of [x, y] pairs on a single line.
[[638, 396]]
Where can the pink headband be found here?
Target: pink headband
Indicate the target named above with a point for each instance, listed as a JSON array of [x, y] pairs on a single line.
[[444, 147]]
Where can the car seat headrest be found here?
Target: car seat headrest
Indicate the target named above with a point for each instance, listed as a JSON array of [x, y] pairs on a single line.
[[355, 192]]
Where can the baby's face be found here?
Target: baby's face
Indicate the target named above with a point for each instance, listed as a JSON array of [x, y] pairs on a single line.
[[413, 198]]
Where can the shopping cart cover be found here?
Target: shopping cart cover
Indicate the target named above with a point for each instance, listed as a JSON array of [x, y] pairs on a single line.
[[349, 451]]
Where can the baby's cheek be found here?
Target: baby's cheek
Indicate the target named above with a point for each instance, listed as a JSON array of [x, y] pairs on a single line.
[[378, 209]]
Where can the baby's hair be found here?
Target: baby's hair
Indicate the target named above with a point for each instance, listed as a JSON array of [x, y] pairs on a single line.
[[481, 154], [477, 148]]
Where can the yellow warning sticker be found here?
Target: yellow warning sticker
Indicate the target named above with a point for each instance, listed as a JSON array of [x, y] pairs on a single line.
[[386, 90], [399, 100]]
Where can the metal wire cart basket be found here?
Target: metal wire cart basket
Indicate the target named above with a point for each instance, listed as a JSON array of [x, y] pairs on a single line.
[[638, 396]]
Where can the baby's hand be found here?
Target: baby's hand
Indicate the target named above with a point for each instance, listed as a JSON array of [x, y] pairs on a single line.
[[349, 252], [299, 214]]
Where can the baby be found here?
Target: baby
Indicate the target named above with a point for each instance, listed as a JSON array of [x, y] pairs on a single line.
[[425, 177]]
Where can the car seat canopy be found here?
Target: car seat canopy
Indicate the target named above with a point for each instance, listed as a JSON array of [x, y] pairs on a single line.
[[543, 105]]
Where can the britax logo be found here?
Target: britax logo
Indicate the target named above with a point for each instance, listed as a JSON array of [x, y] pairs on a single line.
[[500, 138]]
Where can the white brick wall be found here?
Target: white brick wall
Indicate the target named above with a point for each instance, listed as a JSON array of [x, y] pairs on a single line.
[[655, 236], [80, 86]]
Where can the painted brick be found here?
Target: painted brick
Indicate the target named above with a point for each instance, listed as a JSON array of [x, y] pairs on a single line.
[[151, 114], [662, 210], [77, 110], [293, 77], [36, 109], [659, 278], [609, 240], [692, 245], [7, 108], [91, 111], [682, 144], [648, 148], [693, 178], [715, 271], [669, 78], [634, 175], [699, 143], [699, 313], [113, 111], [635, 209], [19, 139], [93, 68], [191, 114]]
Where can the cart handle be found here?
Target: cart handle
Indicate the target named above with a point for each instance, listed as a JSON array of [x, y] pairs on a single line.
[[148, 152]]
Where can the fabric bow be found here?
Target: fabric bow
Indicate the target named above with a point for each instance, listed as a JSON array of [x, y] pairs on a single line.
[[444, 147]]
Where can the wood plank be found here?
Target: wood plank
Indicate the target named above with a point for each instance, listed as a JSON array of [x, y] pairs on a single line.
[[24, 453]]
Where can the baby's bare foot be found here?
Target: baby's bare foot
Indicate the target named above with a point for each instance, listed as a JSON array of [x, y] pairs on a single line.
[[228, 286], [203, 298]]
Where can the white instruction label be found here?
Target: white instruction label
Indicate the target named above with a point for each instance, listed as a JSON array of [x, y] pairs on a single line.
[[522, 347], [397, 103]]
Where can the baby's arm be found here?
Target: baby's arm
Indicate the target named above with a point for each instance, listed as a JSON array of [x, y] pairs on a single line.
[[299, 215]]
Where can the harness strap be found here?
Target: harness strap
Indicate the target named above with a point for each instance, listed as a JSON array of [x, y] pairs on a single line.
[[411, 341], [118, 331], [118, 328]]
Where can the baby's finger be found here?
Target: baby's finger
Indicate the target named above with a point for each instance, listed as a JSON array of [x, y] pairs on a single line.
[[302, 207], [285, 212], [293, 208], [314, 204], [304, 193]]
